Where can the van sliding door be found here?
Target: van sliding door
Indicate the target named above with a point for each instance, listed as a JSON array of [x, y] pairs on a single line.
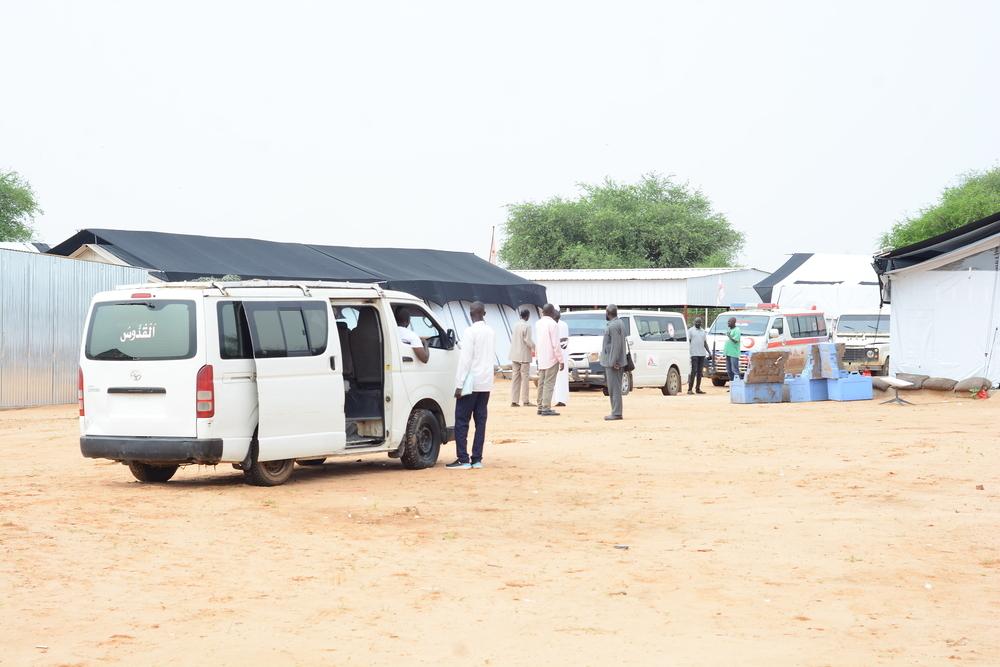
[[300, 380]]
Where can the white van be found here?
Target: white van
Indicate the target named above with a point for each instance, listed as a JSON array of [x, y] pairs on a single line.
[[763, 327], [657, 341], [260, 374]]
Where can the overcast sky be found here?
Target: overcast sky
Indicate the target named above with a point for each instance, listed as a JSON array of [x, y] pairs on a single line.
[[413, 124]]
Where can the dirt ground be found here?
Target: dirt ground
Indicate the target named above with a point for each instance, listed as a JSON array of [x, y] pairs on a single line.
[[808, 534]]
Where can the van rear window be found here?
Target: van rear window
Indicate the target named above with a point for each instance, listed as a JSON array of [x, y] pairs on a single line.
[[155, 330]]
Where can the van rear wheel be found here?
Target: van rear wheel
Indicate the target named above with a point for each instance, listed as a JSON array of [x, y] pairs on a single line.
[[422, 441], [147, 472], [269, 473]]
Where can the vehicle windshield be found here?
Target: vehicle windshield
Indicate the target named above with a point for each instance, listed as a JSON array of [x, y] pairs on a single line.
[[585, 324], [141, 331], [863, 324], [749, 325]]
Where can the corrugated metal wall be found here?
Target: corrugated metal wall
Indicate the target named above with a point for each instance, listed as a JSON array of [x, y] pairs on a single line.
[[43, 303], [737, 288]]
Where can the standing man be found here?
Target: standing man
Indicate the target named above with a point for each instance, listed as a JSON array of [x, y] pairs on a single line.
[[549, 356], [476, 360], [698, 347], [613, 359], [732, 350], [521, 350], [560, 395]]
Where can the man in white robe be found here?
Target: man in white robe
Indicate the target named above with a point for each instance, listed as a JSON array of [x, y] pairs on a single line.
[[560, 395]]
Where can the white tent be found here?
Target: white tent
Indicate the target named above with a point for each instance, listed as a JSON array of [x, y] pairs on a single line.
[[946, 304], [834, 284]]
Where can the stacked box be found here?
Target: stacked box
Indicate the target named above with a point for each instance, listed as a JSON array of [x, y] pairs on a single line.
[[803, 389], [803, 361], [831, 359], [850, 387], [767, 367], [742, 392]]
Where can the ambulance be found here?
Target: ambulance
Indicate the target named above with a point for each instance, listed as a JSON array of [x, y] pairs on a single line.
[[763, 326]]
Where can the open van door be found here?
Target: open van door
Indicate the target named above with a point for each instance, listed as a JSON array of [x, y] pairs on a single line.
[[300, 379]]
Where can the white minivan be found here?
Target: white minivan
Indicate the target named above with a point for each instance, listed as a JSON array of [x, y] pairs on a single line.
[[657, 341], [260, 374]]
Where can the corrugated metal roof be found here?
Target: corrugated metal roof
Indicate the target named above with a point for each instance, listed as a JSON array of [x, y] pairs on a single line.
[[621, 274], [20, 247]]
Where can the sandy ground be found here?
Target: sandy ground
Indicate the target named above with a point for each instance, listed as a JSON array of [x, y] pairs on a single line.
[[811, 534]]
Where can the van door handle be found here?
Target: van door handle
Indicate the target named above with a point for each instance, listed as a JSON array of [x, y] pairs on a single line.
[[333, 363], [407, 359]]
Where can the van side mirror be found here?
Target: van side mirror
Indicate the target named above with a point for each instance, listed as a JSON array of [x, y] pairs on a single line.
[[773, 333], [451, 338]]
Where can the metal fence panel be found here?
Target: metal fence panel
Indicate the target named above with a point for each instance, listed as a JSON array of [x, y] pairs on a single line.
[[43, 304]]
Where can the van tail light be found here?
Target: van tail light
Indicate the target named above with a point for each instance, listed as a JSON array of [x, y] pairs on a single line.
[[79, 390], [205, 392]]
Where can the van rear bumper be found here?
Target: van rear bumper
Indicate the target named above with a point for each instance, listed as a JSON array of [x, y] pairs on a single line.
[[152, 450]]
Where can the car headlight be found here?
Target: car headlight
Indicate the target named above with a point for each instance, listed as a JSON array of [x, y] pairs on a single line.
[[870, 354], [594, 357]]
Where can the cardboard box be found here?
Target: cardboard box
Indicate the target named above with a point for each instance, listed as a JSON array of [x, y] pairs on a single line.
[[767, 367]]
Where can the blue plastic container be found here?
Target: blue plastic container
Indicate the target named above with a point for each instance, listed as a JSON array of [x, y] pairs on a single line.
[[852, 387], [741, 392], [803, 389]]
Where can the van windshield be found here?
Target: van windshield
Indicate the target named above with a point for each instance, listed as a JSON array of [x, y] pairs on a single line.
[[863, 324], [749, 325], [585, 324], [141, 331]]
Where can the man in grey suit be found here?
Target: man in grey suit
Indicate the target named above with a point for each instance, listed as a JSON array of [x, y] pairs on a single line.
[[521, 350], [613, 360]]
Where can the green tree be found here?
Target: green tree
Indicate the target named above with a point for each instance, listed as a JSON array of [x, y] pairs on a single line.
[[976, 196], [17, 207], [650, 224]]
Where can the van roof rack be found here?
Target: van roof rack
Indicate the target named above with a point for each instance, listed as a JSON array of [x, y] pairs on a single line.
[[225, 287]]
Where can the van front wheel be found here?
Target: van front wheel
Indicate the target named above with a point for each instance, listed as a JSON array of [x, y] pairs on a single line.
[[147, 472], [269, 473], [672, 387], [422, 441], [718, 382]]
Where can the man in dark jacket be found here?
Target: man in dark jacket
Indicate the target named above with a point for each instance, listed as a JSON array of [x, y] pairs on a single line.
[[613, 359]]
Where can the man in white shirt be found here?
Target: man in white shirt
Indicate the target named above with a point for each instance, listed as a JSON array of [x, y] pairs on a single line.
[[409, 338], [475, 375], [560, 394], [548, 352]]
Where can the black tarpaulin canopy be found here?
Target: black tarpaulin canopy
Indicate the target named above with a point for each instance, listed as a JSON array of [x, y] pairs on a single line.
[[765, 287], [915, 253], [438, 276]]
